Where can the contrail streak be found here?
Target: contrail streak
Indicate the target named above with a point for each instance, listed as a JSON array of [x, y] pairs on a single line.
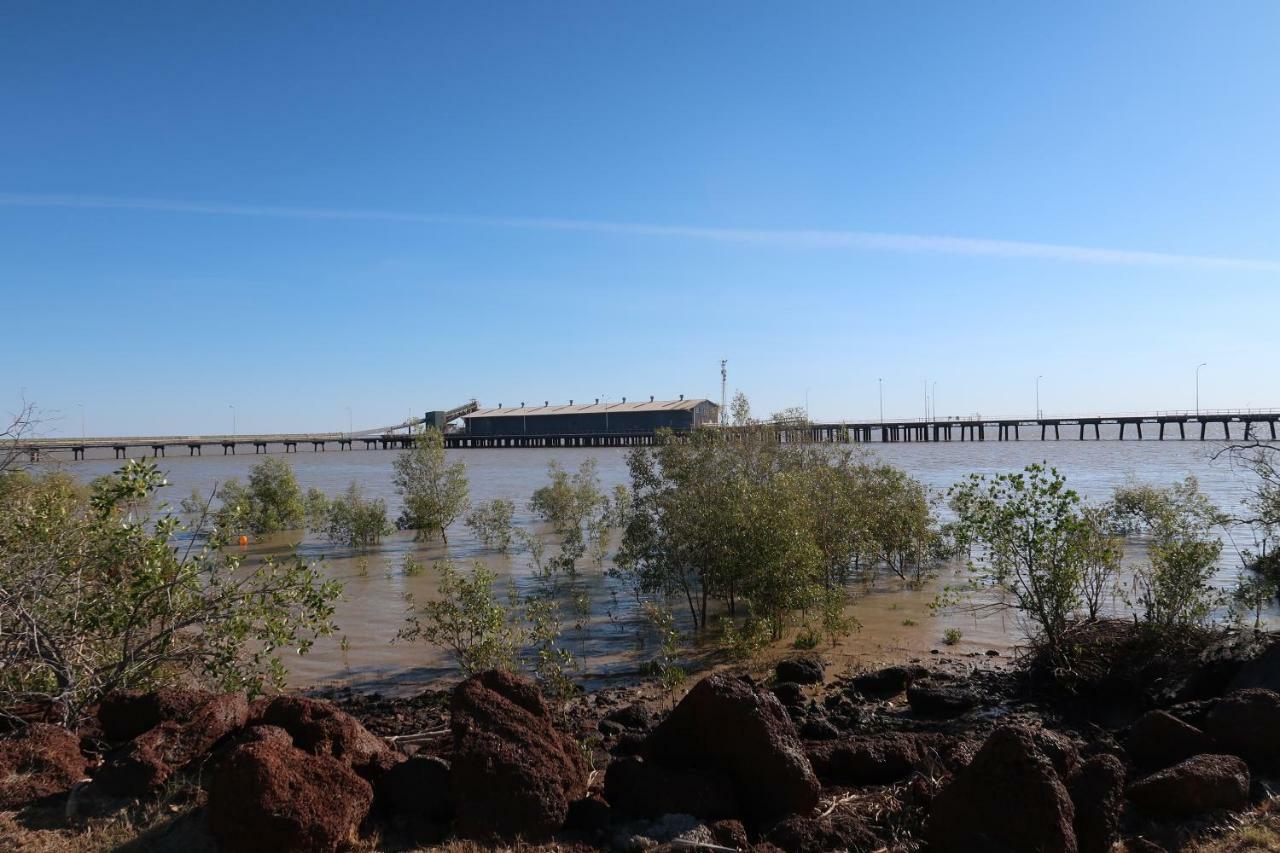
[[780, 238]]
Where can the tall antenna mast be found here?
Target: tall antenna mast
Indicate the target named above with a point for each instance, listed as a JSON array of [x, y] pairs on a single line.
[[724, 379]]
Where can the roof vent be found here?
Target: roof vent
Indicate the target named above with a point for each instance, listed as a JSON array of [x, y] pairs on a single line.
[[624, 399], [522, 404], [681, 396], [570, 402], [499, 405], [546, 403], [597, 401], [650, 398]]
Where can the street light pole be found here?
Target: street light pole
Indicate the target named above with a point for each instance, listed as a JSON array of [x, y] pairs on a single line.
[[935, 400], [1198, 366], [1039, 412]]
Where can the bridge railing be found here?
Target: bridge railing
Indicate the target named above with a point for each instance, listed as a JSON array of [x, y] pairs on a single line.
[[1273, 412]]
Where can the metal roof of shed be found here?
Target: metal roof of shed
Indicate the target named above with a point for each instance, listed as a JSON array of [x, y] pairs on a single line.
[[587, 409]]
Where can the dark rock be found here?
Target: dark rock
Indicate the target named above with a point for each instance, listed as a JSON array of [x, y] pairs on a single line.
[[88, 801], [1097, 791], [1247, 723], [419, 786], [1201, 784], [789, 694], [801, 670], [883, 683], [629, 743], [875, 760], [269, 797], [514, 773], [38, 761], [930, 699], [633, 716], [215, 719], [1159, 739], [125, 714], [1260, 671], [320, 728], [415, 795], [611, 728], [730, 833], [1059, 749], [144, 764], [839, 831], [818, 728], [590, 814], [1009, 797], [646, 789], [729, 725]]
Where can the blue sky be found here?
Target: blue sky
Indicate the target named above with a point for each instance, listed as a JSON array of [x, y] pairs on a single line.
[[295, 208]]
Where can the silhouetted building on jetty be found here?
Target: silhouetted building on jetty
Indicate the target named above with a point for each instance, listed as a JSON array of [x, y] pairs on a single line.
[[620, 418]]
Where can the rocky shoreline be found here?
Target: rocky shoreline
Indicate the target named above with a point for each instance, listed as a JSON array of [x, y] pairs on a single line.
[[913, 757]]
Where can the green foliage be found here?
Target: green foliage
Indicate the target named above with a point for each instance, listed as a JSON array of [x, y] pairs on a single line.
[[271, 502], [435, 492], [744, 639], [1101, 553], [552, 664], [665, 666], [951, 636], [1252, 594], [348, 519], [740, 410], [897, 527], [99, 595], [793, 417], [491, 522], [1028, 529], [569, 500], [778, 527], [467, 620], [1174, 591], [807, 638]]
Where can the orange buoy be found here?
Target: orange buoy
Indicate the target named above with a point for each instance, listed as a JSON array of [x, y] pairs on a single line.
[[244, 540]]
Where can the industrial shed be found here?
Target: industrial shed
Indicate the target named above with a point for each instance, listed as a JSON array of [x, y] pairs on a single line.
[[597, 418]]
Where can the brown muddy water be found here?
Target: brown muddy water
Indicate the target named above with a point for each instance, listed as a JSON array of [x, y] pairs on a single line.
[[897, 620]]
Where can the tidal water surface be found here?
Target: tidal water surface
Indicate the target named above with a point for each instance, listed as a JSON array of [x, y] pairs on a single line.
[[615, 638]]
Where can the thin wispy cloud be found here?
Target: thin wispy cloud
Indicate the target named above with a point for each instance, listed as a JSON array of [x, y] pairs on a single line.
[[866, 241]]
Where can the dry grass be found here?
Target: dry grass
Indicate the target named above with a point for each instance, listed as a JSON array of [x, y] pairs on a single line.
[[1252, 831], [170, 823]]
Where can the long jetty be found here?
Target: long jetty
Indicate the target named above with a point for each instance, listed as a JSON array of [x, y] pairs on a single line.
[[1205, 425], [1250, 424]]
